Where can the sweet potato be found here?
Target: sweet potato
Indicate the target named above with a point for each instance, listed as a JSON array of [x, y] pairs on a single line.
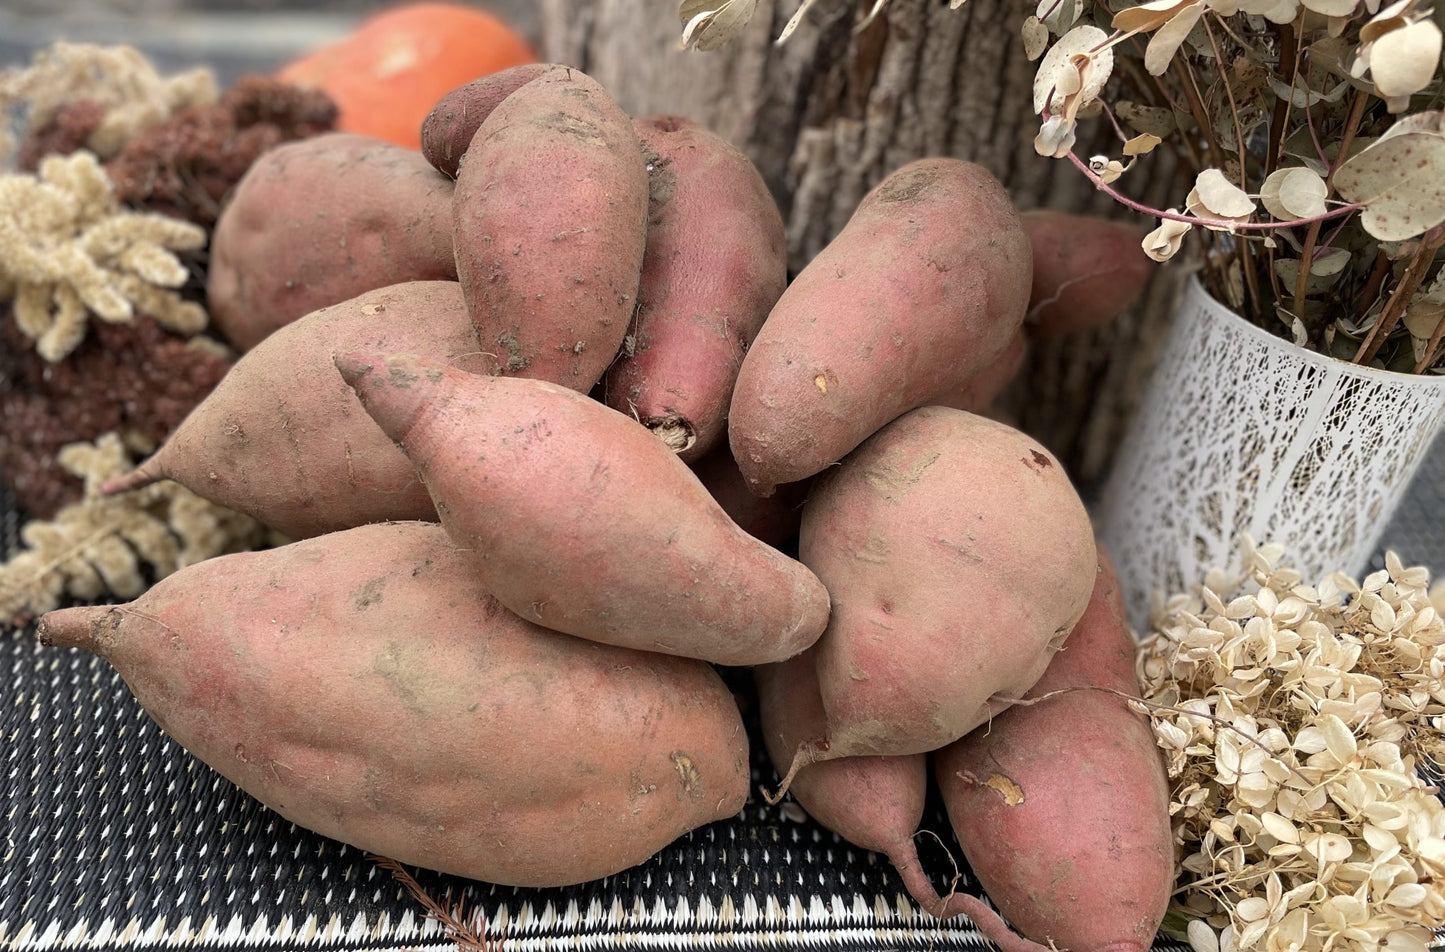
[[1062, 806], [579, 519], [872, 802], [448, 129], [958, 554], [319, 221], [925, 285], [773, 519], [715, 264], [980, 391], [283, 438], [365, 686], [550, 220], [1087, 271]]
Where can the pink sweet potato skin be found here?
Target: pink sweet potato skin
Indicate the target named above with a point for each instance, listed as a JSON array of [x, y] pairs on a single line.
[[284, 439], [872, 802], [581, 520], [773, 519], [1087, 271], [925, 285], [978, 393], [448, 129], [1084, 860], [319, 221], [957, 553], [550, 222], [363, 685], [715, 265]]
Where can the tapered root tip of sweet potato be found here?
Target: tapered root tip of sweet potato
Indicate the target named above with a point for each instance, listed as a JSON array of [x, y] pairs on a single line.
[[396, 390], [353, 367], [992, 926], [904, 858], [152, 471], [675, 432], [71, 627]]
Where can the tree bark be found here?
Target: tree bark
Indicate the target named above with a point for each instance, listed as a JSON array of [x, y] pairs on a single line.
[[828, 114]]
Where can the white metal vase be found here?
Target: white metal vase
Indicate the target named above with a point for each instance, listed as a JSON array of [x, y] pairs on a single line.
[[1244, 432]]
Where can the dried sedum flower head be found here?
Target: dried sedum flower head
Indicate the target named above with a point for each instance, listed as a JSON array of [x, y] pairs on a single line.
[[1294, 719], [68, 248], [112, 545], [119, 79]]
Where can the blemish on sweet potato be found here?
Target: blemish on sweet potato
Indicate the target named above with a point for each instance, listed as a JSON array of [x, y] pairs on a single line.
[[572, 125], [687, 774], [370, 593], [401, 378], [908, 186], [516, 360], [894, 482], [1011, 792]]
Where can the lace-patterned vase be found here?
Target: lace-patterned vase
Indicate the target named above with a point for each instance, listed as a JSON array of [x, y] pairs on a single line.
[[1241, 431]]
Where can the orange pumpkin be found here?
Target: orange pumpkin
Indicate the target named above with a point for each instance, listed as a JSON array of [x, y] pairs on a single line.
[[387, 74]]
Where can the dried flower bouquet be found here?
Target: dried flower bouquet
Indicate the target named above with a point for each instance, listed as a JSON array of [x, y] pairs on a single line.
[[1313, 132]]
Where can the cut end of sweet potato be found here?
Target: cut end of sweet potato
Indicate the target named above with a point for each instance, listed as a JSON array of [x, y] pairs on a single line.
[[676, 433], [74, 627]]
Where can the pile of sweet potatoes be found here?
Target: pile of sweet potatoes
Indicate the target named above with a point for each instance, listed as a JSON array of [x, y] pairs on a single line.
[[556, 434]]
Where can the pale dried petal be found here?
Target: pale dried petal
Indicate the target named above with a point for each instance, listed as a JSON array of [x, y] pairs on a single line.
[[1036, 38], [1404, 61], [1166, 42], [1081, 40], [1164, 242]]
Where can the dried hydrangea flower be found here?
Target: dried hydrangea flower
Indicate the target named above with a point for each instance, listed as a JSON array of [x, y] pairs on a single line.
[[1294, 720]]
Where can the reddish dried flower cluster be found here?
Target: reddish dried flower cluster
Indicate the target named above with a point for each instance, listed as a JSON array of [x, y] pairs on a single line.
[[134, 377], [186, 167], [68, 130]]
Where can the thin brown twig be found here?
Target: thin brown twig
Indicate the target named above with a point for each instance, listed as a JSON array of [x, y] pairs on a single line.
[[453, 919], [1246, 252], [1430, 242], [1289, 46]]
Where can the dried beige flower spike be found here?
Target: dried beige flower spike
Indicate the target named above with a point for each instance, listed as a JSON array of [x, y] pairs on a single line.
[[110, 545], [68, 248], [1295, 719], [119, 79]]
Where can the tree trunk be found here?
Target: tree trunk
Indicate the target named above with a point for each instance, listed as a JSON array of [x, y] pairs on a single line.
[[828, 114]]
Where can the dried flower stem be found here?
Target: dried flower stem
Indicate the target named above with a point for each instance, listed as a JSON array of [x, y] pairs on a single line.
[[1222, 224], [1251, 279], [1371, 288], [1198, 111], [1430, 242]]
